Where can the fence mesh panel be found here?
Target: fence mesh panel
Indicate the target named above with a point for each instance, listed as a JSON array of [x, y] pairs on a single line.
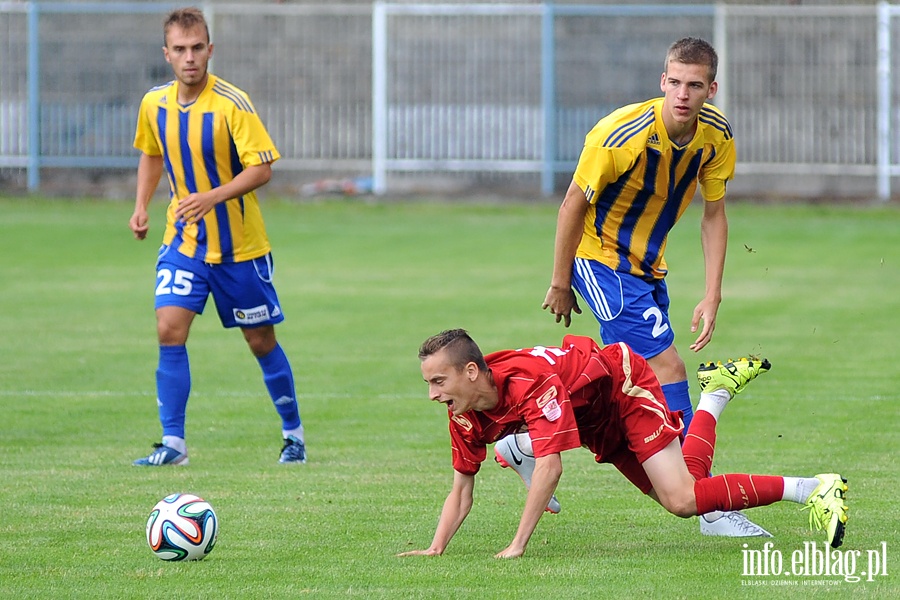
[[464, 88]]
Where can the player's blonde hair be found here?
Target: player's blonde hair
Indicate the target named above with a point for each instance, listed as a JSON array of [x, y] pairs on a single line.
[[694, 51], [185, 18]]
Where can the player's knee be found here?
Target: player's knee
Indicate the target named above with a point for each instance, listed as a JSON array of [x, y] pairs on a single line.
[[680, 505], [261, 340], [668, 367], [683, 510], [171, 334], [679, 371], [173, 325]]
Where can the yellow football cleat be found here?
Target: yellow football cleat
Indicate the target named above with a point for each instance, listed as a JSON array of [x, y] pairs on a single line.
[[733, 376], [827, 510]]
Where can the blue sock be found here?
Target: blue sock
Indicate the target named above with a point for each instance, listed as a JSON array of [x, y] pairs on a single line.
[[173, 386], [678, 397], [279, 380]]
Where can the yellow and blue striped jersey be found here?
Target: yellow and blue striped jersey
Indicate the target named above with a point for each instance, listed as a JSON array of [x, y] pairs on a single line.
[[639, 183], [204, 145]]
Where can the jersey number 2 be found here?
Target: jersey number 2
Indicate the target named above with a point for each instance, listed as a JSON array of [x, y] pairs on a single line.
[[659, 327], [548, 353]]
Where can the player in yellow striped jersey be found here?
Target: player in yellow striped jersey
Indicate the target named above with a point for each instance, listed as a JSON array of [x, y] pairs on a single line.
[[206, 136], [638, 171]]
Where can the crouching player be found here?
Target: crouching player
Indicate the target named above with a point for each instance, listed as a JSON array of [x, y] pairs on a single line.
[[609, 400]]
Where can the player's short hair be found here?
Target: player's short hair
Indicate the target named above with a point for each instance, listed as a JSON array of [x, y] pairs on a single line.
[[461, 349], [185, 18], [694, 51]]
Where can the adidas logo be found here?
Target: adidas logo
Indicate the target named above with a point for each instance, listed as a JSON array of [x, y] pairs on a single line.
[[653, 140]]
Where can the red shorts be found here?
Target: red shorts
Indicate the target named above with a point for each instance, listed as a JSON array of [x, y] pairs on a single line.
[[639, 423]]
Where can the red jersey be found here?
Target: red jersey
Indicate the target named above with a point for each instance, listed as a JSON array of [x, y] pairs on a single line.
[[576, 394]]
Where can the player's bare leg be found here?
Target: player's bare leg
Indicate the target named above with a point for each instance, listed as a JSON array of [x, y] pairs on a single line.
[[670, 370]]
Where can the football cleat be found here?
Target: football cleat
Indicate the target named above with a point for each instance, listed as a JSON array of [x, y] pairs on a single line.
[[293, 451], [733, 376], [730, 523], [515, 451], [163, 456], [827, 510]]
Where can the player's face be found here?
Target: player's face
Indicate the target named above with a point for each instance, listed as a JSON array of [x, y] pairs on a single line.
[[686, 88], [188, 51], [448, 385]]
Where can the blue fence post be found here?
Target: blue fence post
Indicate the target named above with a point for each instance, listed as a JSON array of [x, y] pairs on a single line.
[[34, 98], [548, 96], [885, 108], [379, 98]]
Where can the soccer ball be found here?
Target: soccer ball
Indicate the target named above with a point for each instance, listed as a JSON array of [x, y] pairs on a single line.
[[182, 527]]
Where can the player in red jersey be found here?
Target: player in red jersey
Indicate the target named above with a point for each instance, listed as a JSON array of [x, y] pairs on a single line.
[[608, 400]]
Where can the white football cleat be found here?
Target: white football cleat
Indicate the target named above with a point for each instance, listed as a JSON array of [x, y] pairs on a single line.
[[730, 524], [515, 451]]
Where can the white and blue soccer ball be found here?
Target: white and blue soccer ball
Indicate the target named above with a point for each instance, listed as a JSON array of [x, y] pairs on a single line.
[[182, 527]]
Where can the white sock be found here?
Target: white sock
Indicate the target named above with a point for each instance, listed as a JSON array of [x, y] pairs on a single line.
[[175, 442], [798, 489], [523, 441], [297, 433], [714, 402]]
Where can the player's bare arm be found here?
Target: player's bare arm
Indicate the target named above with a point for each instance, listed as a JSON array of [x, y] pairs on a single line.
[[149, 171], [456, 509], [714, 240], [193, 207], [560, 298], [547, 471]]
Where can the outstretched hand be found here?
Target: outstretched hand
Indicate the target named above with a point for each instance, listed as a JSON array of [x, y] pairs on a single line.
[[705, 311], [561, 303]]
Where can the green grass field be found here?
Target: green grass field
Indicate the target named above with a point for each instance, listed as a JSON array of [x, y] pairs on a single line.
[[816, 289]]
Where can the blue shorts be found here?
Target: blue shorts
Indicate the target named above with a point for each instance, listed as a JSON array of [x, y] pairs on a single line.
[[628, 308], [243, 291]]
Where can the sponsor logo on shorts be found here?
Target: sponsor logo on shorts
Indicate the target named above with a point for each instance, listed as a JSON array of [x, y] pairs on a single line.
[[654, 435], [249, 316]]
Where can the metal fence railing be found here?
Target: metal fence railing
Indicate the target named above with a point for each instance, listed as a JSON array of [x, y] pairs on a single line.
[[389, 89]]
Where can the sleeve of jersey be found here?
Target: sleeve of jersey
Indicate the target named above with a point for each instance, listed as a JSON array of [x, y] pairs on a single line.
[[467, 455], [718, 171], [253, 143], [145, 138], [551, 420], [598, 166]]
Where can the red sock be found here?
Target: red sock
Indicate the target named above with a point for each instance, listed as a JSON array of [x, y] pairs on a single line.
[[699, 445], [737, 491]]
